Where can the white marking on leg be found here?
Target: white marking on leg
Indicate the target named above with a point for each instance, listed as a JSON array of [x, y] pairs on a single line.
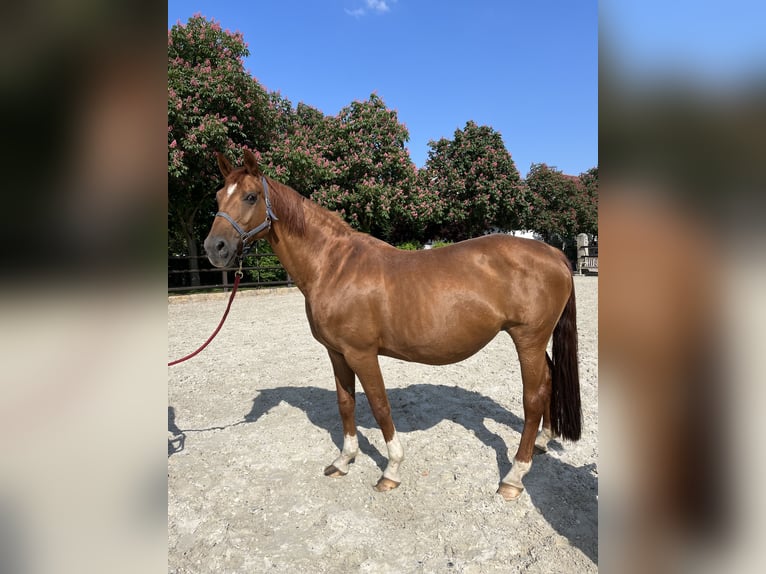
[[349, 452], [543, 438], [395, 458], [517, 472], [230, 189]]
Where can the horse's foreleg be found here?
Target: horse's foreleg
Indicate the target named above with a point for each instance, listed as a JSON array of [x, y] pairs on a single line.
[[368, 370], [536, 380], [345, 386]]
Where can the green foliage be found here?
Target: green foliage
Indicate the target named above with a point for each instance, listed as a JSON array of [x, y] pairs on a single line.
[[354, 163], [416, 245], [267, 267], [410, 246], [298, 156], [476, 182], [587, 214], [370, 174], [564, 205], [213, 105]]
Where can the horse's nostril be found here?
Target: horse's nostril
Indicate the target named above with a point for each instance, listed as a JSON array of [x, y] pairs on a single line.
[[220, 246]]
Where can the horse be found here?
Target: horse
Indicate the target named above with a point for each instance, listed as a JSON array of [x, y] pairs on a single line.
[[365, 298]]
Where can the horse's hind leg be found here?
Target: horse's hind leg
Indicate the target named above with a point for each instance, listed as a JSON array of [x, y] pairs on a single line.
[[546, 433], [536, 379], [344, 383], [367, 369]]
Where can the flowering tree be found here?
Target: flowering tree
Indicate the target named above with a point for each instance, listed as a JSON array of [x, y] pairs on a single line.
[[370, 174], [476, 183], [587, 209], [354, 163], [565, 205], [423, 211], [213, 105], [299, 155]]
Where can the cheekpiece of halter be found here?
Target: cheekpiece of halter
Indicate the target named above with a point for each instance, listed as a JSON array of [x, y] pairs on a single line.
[[244, 236]]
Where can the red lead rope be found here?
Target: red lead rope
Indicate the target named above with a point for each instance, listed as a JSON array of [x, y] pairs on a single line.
[[237, 277]]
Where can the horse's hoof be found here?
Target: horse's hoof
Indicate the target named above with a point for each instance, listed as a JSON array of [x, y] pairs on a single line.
[[540, 449], [509, 492], [334, 471], [386, 484]]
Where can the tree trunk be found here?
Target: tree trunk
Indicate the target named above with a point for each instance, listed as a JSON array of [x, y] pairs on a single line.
[[191, 249], [193, 262]]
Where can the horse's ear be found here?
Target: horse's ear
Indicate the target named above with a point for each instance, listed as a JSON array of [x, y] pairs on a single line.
[[223, 164], [251, 164]]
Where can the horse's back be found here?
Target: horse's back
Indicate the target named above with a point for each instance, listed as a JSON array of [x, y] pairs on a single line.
[[485, 260], [442, 305]]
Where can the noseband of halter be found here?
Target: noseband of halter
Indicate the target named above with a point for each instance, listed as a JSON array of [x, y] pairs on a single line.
[[245, 235]]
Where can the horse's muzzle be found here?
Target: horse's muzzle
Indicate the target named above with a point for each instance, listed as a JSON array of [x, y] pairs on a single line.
[[220, 251]]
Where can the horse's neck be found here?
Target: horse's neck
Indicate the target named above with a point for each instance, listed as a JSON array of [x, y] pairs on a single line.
[[307, 257]]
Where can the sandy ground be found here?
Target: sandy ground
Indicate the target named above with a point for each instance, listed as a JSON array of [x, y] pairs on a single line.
[[253, 421]]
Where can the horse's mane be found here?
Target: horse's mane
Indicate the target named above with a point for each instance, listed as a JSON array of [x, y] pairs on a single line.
[[290, 208], [286, 202]]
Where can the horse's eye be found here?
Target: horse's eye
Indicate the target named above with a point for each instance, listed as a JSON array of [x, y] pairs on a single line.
[[250, 198]]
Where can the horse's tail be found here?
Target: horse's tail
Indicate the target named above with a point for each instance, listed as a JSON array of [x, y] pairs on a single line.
[[566, 412]]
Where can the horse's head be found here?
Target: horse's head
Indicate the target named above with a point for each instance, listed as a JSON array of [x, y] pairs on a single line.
[[244, 211]]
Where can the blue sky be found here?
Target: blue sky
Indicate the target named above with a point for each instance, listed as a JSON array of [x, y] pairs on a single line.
[[709, 43], [527, 68]]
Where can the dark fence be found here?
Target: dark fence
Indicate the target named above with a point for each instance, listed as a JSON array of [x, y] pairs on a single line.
[[259, 270], [263, 269]]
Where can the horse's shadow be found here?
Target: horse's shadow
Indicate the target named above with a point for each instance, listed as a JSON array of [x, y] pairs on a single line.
[[416, 408], [420, 407], [176, 437]]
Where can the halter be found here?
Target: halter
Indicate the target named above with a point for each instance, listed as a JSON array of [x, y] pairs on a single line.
[[245, 235]]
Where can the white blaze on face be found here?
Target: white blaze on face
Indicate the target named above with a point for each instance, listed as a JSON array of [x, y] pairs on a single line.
[[231, 189]]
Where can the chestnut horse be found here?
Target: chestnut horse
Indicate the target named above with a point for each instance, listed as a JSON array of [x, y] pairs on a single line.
[[365, 298]]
